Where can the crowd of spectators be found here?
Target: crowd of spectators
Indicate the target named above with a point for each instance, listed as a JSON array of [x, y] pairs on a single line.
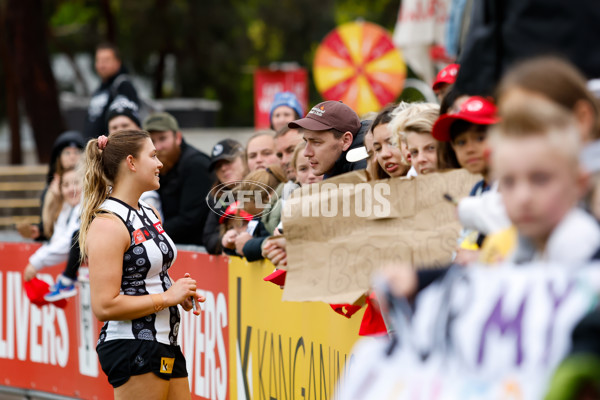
[[535, 199]]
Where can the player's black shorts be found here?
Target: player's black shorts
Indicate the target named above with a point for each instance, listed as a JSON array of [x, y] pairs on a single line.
[[123, 358]]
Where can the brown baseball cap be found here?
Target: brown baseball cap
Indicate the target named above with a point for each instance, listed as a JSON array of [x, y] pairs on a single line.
[[329, 115]]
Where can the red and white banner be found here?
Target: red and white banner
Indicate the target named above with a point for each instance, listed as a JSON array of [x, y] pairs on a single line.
[[47, 349], [53, 350]]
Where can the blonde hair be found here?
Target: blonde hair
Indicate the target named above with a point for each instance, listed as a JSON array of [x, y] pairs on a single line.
[[53, 202], [101, 170], [400, 109], [417, 119], [297, 152], [51, 209], [534, 116]]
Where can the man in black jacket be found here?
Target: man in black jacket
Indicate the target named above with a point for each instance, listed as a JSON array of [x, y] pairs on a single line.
[[114, 83], [330, 130], [184, 180]]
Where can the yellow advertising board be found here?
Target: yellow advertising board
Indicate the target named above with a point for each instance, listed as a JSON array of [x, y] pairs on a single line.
[[283, 350]]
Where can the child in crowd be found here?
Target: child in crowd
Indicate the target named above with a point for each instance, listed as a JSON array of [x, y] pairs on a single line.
[[304, 175], [450, 104], [536, 161], [228, 164], [234, 219], [65, 154], [254, 194], [416, 123], [558, 81], [389, 151], [57, 249], [564, 85], [466, 130]]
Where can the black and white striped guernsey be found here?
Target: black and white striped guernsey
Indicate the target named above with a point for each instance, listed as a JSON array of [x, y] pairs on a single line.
[[145, 271]]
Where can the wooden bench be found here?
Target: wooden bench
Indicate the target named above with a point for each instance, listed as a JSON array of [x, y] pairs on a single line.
[[20, 190]]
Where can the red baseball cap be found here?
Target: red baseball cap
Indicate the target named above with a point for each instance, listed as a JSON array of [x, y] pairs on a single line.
[[446, 75], [234, 210], [475, 109], [329, 115]]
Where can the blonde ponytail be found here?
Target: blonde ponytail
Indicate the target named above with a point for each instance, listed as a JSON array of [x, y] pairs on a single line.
[[101, 169], [95, 190]]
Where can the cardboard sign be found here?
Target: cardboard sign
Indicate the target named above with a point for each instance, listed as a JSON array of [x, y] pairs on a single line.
[[482, 333], [341, 230]]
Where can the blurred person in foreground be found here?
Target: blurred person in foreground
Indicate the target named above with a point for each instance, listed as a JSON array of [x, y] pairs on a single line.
[[556, 80], [535, 158]]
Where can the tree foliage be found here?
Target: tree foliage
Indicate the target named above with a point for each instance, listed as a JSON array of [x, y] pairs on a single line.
[[216, 43]]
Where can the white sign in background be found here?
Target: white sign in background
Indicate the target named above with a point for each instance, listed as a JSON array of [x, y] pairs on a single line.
[[480, 334]]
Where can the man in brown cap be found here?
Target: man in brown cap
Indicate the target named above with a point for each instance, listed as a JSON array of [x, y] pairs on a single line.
[[330, 130]]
